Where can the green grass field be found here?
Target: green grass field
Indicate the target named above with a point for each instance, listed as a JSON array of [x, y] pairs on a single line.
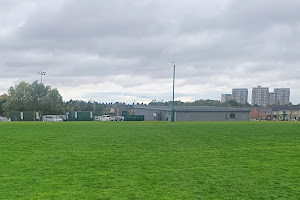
[[146, 160]]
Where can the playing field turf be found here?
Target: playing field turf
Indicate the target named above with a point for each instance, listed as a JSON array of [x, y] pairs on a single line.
[[150, 160]]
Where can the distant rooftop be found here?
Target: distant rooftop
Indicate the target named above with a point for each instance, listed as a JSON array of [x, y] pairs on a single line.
[[195, 108], [262, 109], [260, 87], [285, 107]]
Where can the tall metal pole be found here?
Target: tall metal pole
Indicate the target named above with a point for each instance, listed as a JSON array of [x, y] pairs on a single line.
[[94, 109], [42, 74], [173, 102]]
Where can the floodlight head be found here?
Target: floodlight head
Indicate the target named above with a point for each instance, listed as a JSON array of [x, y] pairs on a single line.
[[41, 73]]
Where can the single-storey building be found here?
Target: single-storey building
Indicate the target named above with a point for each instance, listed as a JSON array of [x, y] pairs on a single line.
[[193, 113], [289, 112]]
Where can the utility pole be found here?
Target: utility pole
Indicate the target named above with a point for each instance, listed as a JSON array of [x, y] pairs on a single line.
[[42, 74], [94, 110], [173, 103]]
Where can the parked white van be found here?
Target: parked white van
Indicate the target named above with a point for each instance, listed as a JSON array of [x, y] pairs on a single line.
[[52, 118]]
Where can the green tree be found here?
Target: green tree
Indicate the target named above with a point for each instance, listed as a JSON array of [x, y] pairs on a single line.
[[18, 98], [33, 97], [3, 99], [37, 92], [52, 103], [78, 105]]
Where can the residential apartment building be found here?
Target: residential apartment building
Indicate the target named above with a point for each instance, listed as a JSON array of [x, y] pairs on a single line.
[[260, 96], [225, 97], [271, 98], [282, 96], [240, 95]]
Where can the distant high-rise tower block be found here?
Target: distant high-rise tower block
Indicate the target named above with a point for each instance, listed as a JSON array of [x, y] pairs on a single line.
[[240, 95], [282, 96], [272, 98], [260, 96], [225, 97]]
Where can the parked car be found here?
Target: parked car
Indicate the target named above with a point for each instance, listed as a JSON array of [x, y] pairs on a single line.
[[106, 118], [52, 118], [3, 119]]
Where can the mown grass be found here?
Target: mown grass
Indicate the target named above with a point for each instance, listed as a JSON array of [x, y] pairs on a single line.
[[150, 160]]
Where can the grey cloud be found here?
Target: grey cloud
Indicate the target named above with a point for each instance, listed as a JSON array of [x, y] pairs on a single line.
[[218, 43]]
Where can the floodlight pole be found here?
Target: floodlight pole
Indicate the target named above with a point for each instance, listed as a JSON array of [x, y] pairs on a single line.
[[42, 74], [173, 106], [94, 109]]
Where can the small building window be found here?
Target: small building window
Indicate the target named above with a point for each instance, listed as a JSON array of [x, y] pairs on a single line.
[[232, 115]]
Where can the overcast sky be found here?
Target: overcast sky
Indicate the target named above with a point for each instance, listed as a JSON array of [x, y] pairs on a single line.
[[122, 50]]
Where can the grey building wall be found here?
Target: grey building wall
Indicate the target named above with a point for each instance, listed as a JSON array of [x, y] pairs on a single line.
[[165, 115], [148, 114], [212, 116]]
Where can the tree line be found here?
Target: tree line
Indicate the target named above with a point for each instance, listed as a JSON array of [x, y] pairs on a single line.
[[38, 97], [202, 102]]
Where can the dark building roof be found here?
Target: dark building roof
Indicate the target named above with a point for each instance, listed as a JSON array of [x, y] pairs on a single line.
[[264, 109], [293, 107], [194, 108]]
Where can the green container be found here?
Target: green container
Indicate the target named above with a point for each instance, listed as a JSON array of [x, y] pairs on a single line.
[[134, 118], [26, 116], [80, 116]]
